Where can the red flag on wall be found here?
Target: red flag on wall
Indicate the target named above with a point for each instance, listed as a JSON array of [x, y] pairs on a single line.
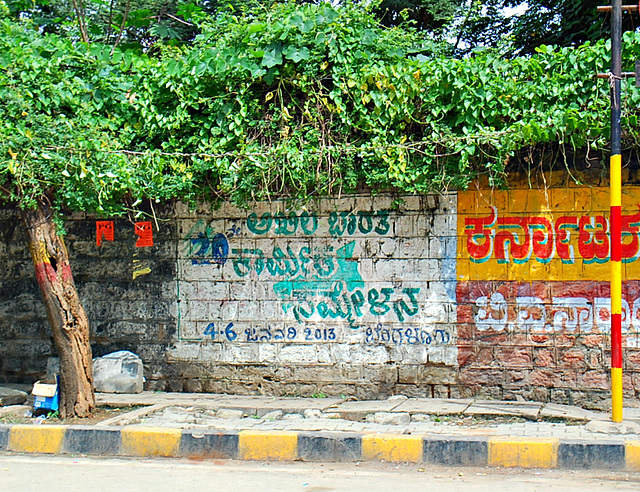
[[104, 230], [144, 231]]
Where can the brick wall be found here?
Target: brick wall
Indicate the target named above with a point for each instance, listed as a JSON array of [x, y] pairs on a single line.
[[533, 294]]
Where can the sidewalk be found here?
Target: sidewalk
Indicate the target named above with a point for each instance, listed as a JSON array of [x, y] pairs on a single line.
[[450, 432]]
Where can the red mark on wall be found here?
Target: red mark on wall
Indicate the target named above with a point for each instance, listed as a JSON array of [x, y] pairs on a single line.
[[104, 230], [144, 232]]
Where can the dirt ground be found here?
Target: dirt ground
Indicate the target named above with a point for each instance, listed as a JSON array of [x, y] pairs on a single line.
[[103, 412]]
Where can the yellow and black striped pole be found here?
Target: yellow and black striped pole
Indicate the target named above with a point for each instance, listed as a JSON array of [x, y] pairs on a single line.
[[616, 211]]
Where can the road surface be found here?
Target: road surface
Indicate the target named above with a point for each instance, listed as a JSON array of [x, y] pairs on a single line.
[[70, 474]]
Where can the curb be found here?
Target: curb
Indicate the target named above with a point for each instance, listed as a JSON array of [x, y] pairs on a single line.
[[321, 446]]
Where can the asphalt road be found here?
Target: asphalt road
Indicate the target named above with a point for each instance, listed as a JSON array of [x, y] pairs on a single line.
[[70, 474]]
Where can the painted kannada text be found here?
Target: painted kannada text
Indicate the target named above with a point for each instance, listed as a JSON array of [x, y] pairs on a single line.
[[520, 239], [571, 315], [306, 223], [312, 281], [226, 332]]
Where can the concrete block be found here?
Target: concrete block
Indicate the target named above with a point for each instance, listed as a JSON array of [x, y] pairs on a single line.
[[608, 427], [9, 396], [392, 447], [273, 415], [118, 372], [445, 354], [150, 441], [392, 418], [53, 367], [239, 353], [454, 451], [4, 437], [301, 405], [229, 413], [268, 353], [358, 410], [368, 355], [440, 391], [280, 446], [299, 354], [603, 455], [36, 439], [632, 455], [408, 374], [412, 354], [437, 374], [523, 452], [209, 445], [18, 411], [89, 440], [329, 447]]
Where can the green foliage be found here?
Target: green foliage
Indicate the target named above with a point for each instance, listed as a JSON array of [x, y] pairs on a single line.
[[64, 105], [427, 15], [305, 100], [262, 93], [293, 100], [543, 22], [134, 23]]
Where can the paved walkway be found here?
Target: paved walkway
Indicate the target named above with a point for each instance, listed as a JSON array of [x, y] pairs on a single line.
[[398, 415], [446, 431]]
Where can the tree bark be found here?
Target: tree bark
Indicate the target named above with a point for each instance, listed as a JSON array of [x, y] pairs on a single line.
[[69, 323]]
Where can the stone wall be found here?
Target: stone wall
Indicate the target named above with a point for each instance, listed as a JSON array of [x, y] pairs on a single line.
[[351, 296], [496, 294], [127, 310], [25, 339]]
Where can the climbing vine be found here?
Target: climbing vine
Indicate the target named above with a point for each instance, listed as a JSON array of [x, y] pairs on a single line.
[[314, 99], [293, 100]]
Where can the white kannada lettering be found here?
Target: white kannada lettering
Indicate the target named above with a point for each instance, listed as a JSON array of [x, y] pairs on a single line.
[[491, 313], [572, 315]]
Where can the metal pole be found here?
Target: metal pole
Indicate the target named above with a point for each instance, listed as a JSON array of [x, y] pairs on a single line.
[[616, 219]]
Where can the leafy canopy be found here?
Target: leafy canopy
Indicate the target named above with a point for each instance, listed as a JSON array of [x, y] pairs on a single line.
[[316, 99], [64, 105], [295, 100]]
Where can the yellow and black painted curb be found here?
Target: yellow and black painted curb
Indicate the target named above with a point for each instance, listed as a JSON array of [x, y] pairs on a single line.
[[322, 446]]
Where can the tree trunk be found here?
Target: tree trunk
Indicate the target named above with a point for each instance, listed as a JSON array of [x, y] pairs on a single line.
[[69, 323]]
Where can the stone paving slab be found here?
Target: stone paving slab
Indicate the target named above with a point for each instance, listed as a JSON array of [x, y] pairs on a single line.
[[632, 414], [260, 406], [15, 411], [299, 405], [529, 410], [612, 428], [434, 406], [358, 410], [554, 410], [152, 398], [132, 416], [187, 418]]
